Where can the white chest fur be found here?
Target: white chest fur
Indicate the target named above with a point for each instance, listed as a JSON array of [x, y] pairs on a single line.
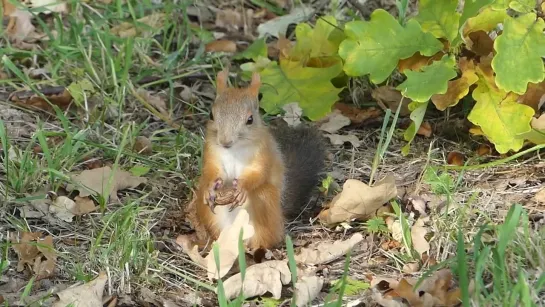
[[233, 162]]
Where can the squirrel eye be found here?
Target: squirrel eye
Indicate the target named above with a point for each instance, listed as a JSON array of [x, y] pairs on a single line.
[[211, 116], [250, 120]]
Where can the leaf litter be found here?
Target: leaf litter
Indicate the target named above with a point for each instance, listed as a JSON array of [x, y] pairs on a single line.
[[35, 252]]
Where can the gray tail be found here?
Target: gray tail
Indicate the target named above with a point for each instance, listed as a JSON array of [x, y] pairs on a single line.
[[304, 157]]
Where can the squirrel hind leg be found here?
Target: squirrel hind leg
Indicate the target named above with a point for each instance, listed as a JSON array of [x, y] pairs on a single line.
[[266, 217]]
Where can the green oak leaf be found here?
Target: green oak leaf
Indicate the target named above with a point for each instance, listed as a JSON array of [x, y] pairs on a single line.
[[433, 79], [375, 47], [500, 4], [520, 49], [256, 50], [499, 116], [486, 21], [322, 41], [439, 18], [523, 6], [418, 110], [81, 89], [310, 87]]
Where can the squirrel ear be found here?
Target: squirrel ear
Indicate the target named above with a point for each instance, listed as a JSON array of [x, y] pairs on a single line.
[[221, 80], [255, 85]]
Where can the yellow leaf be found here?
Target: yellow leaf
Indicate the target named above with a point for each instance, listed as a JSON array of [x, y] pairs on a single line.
[[457, 89], [498, 114]]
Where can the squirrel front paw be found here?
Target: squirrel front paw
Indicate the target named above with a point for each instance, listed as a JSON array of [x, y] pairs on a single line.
[[240, 195], [210, 193]]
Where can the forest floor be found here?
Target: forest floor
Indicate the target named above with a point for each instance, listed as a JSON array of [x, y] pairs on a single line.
[[133, 84]]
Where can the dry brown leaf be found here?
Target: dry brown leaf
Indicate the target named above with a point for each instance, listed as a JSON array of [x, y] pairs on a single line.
[[142, 145], [338, 139], [307, 289], [324, 252], [395, 228], [154, 100], [221, 45], [457, 89], [127, 29], [8, 7], [283, 47], [19, 26], [48, 6], [268, 276], [36, 252], [191, 249], [540, 196], [293, 114], [455, 158], [357, 115], [417, 61], [230, 20], [96, 180], [358, 200], [334, 121], [57, 95], [84, 205], [425, 129], [534, 96], [388, 97], [228, 245], [86, 295], [25, 249], [538, 123], [63, 207], [418, 233], [480, 43], [484, 150], [411, 267]]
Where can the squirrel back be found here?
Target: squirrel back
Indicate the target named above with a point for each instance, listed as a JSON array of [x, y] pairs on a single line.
[[304, 159]]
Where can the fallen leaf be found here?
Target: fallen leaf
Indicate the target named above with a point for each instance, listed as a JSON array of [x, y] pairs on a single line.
[[457, 89], [63, 208], [228, 245], [357, 115], [534, 96], [388, 97], [338, 139], [153, 100], [292, 114], [411, 267], [230, 20], [191, 249], [417, 61], [48, 6], [307, 289], [334, 121], [324, 252], [142, 145], [455, 158], [418, 233], [395, 228], [96, 180], [221, 45], [358, 200], [480, 43], [86, 295], [26, 251], [57, 95], [278, 26], [20, 25], [484, 150], [142, 27], [8, 7], [268, 276], [84, 205], [424, 129], [540, 196], [36, 252]]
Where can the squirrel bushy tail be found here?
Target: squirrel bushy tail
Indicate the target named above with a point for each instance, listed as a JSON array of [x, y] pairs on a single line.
[[304, 159]]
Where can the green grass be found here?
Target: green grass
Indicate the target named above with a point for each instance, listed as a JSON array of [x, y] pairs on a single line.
[[501, 257]]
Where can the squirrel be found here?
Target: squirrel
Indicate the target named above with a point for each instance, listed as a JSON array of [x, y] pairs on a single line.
[[272, 171]]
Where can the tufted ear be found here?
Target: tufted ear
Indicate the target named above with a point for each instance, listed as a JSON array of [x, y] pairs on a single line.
[[221, 80], [255, 85]]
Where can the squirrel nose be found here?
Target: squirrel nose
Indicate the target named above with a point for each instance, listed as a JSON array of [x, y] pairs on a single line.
[[227, 144]]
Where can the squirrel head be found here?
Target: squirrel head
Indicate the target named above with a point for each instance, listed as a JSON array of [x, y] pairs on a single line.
[[234, 118]]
